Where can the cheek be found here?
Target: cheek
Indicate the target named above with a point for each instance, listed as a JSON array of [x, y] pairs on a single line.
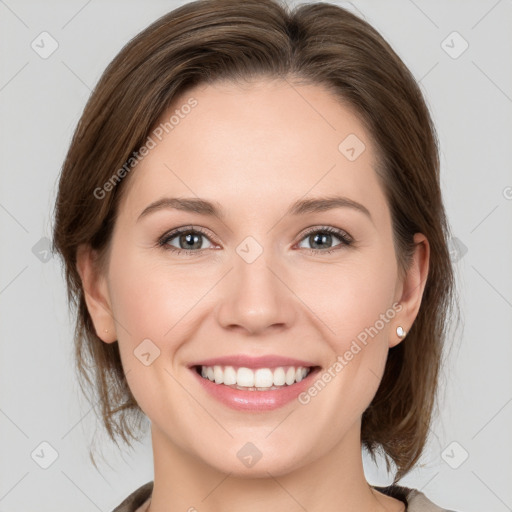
[[352, 298], [354, 303], [356, 324], [152, 303], [149, 298]]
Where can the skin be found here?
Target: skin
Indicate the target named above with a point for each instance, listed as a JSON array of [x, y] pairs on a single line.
[[255, 149]]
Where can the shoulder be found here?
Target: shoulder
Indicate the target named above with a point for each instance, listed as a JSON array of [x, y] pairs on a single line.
[[135, 499], [415, 500]]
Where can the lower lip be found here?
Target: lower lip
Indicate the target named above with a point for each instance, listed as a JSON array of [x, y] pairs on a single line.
[[256, 400]]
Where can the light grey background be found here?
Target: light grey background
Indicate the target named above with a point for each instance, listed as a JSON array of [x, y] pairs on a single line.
[[41, 100]]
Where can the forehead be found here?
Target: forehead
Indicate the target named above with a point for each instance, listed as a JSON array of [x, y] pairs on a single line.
[[255, 146]]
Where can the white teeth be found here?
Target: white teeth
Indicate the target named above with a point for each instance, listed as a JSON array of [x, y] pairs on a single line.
[[218, 375], [229, 376], [290, 376], [245, 377], [261, 378], [279, 377], [300, 374]]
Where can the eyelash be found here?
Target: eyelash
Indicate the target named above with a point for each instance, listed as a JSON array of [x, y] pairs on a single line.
[[346, 240]]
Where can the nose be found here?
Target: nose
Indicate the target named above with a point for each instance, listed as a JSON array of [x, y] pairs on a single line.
[[256, 297]]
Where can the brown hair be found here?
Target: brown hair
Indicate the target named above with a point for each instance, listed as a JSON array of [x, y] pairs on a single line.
[[323, 44]]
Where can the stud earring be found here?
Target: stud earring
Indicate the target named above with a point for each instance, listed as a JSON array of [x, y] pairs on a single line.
[[401, 332], [106, 330]]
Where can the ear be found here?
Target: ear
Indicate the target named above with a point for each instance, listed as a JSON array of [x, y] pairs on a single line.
[[412, 287], [96, 293]]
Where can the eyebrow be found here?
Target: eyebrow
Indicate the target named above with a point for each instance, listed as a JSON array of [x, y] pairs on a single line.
[[300, 207]]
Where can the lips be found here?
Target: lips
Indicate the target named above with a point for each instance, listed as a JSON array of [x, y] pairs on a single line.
[[253, 400], [253, 362]]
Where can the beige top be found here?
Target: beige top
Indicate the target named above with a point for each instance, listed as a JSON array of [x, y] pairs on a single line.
[[414, 500]]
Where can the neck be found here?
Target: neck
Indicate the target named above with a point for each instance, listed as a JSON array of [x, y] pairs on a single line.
[[332, 481]]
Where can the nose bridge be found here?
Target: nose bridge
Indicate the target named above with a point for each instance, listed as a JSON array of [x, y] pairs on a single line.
[[255, 297]]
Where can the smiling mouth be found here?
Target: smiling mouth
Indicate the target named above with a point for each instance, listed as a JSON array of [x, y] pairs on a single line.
[[260, 379]]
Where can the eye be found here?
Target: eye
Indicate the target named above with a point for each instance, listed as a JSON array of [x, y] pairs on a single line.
[[188, 238], [321, 239]]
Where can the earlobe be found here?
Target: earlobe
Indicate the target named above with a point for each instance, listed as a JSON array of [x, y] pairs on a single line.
[[413, 287], [96, 293], [397, 336]]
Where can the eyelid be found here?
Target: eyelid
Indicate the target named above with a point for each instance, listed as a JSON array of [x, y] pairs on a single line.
[[184, 229], [169, 235], [340, 233], [345, 238]]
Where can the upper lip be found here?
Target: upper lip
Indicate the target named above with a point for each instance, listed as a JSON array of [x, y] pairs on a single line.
[[246, 361]]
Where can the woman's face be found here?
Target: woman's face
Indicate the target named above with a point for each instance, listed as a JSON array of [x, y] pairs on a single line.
[[277, 271]]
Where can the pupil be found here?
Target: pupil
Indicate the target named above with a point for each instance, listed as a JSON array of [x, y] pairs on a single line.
[[190, 240], [324, 238]]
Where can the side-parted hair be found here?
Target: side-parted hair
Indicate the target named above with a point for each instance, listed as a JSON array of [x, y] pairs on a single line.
[[227, 40]]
